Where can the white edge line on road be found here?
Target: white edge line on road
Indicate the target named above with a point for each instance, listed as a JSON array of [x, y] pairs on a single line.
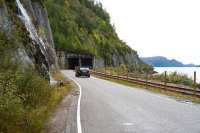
[[78, 107]]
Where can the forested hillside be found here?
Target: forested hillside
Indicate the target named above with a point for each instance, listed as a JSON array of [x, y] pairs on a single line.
[[81, 25], [84, 26]]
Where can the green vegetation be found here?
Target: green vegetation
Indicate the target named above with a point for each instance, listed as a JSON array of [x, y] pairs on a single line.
[[1, 2], [124, 69], [114, 70], [83, 26], [26, 99], [177, 78], [174, 77]]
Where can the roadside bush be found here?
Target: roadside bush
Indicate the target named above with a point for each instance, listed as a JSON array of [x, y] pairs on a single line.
[[20, 94], [32, 89], [175, 77], [198, 85], [11, 108]]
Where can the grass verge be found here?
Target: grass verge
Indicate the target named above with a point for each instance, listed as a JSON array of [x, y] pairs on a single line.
[[40, 115], [27, 101], [58, 93], [174, 95]]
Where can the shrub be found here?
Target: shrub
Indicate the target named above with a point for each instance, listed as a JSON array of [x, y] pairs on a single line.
[[20, 93], [32, 89], [175, 77], [11, 108]]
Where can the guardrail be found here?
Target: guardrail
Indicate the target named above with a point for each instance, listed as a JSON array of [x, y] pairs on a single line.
[[161, 85]]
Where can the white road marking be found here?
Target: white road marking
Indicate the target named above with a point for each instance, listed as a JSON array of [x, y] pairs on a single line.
[[127, 124], [78, 108]]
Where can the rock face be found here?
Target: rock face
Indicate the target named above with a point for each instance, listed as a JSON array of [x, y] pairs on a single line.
[[4, 20], [41, 19], [30, 53], [130, 59]]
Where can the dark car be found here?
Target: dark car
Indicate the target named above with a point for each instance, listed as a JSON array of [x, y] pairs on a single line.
[[82, 71]]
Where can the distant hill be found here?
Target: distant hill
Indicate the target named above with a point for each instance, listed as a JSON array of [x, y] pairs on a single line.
[[160, 61]]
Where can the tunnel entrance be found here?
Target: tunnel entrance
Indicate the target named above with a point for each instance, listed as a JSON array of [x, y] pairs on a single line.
[[70, 60], [87, 62], [72, 63]]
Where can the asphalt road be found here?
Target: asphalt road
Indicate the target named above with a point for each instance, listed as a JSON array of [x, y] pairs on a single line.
[[108, 107]]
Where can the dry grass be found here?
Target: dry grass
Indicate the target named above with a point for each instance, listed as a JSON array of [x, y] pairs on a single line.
[[57, 75]]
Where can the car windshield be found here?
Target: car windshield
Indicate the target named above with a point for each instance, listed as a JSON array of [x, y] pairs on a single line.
[[83, 68]]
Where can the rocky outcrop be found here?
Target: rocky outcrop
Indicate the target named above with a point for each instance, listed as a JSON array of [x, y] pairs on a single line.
[[5, 24], [42, 19], [39, 17], [30, 52], [45, 31], [130, 59]]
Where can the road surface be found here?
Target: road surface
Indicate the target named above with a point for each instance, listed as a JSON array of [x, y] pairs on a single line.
[[108, 107]]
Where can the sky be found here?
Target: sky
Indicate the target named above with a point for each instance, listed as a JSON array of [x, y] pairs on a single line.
[[169, 28]]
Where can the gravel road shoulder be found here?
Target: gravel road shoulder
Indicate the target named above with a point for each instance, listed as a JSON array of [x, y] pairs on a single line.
[[64, 119]]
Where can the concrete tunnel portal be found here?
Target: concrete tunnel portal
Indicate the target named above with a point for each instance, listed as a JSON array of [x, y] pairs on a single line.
[[83, 62], [71, 60]]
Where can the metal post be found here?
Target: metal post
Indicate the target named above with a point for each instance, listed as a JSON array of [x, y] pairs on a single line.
[[127, 73], [195, 78], [117, 70], [105, 71], [94, 69], [94, 63], [118, 74], [146, 80], [108, 72], [165, 82]]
